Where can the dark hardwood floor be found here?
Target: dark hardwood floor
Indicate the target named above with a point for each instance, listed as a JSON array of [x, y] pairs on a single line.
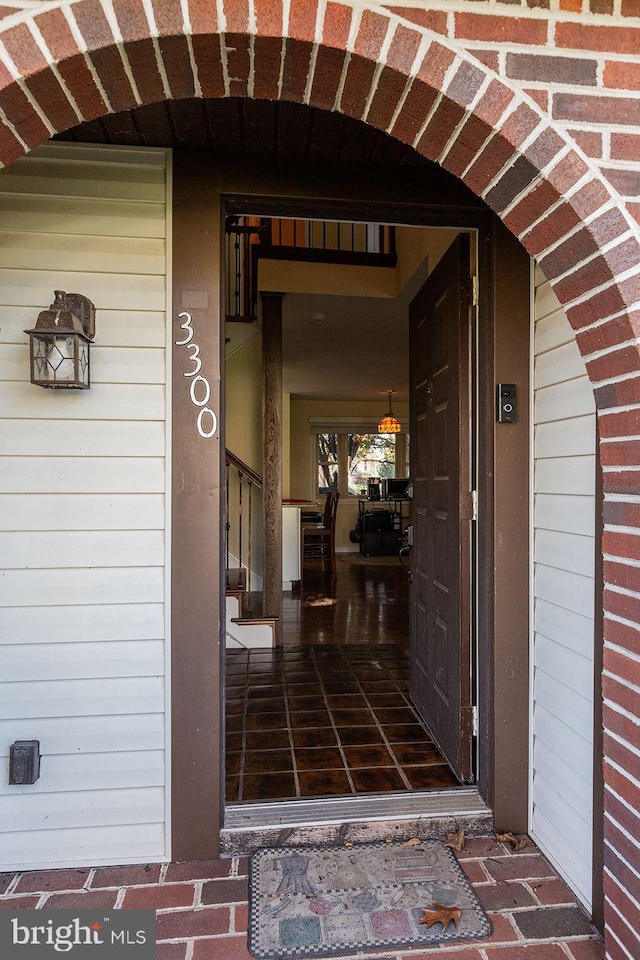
[[329, 712]]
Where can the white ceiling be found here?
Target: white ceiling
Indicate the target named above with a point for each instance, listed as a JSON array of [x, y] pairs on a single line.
[[345, 348]]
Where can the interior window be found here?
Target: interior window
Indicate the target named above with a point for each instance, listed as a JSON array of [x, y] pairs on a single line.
[[371, 456], [328, 475]]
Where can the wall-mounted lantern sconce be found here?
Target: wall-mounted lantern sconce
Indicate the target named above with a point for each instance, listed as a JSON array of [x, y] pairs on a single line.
[[59, 342]]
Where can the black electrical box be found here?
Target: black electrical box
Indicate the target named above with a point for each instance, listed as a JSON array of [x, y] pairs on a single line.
[[381, 533], [24, 761]]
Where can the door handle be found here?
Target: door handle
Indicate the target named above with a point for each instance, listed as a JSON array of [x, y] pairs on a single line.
[[404, 552]]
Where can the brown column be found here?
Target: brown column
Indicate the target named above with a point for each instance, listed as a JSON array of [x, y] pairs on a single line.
[[272, 456], [196, 589]]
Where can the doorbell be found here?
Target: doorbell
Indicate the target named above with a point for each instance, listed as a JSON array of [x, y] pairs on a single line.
[[506, 406]]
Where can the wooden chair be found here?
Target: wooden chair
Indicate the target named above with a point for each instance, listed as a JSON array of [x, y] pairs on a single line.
[[319, 539]]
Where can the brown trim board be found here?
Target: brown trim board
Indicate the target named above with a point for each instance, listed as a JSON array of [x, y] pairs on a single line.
[[196, 584]]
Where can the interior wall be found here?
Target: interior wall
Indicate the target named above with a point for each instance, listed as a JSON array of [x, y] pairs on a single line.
[[302, 443], [243, 437]]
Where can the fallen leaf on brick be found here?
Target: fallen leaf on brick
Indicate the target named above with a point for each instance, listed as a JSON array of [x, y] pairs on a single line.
[[455, 840], [443, 915], [414, 842], [348, 843], [517, 842]]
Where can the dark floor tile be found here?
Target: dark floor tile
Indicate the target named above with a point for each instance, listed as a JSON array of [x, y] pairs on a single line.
[[354, 736], [346, 701], [233, 742], [306, 703], [234, 724], [431, 777], [299, 675], [232, 764], [556, 922], [234, 707], [341, 686], [504, 896], [268, 786], [395, 715], [351, 718], [266, 721], [386, 700], [267, 740], [378, 686], [309, 718], [377, 780], [404, 732], [266, 761], [231, 788], [323, 783], [263, 702], [371, 755], [304, 689], [318, 758], [417, 753], [314, 737]]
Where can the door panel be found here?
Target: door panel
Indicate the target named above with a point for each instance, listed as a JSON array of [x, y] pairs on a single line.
[[439, 322]]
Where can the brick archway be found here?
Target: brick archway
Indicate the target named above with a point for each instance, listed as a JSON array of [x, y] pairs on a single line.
[[65, 65]]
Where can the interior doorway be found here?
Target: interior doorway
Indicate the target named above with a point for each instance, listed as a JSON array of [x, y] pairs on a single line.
[[339, 707]]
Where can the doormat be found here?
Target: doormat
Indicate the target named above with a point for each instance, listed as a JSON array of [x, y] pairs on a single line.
[[320, 901]]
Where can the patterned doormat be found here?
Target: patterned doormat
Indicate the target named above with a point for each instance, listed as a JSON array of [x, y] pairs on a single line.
[[321, 901]]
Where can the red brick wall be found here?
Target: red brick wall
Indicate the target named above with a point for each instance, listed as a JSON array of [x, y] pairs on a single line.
[[535, 105]]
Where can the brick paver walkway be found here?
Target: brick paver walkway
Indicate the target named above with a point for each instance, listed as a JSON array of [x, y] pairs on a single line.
[[202, 905]]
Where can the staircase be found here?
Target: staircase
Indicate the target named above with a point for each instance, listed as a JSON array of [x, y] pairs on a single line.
[[245, 627]]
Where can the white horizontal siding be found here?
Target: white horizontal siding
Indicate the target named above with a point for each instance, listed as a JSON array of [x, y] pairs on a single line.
[[562, 649], [83, 512]]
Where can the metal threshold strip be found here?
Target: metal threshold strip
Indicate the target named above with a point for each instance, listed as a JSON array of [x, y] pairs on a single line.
[[426, 807]]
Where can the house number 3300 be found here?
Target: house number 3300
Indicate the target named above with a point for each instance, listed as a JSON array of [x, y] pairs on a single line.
[[200, 388]]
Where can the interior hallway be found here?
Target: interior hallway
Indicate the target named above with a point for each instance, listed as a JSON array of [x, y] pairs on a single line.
[[329, 713]]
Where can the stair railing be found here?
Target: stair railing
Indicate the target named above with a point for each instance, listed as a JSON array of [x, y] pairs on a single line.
[[239, 520]]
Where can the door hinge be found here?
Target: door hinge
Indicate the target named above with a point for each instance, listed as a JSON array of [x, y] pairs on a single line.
[[474, 721], [474, 504], [474, 291]]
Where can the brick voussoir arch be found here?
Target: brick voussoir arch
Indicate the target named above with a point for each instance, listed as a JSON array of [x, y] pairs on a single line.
[[83, 60]]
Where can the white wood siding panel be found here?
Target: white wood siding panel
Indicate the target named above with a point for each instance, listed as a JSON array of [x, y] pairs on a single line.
[[86, 736], [117, 327], [82, 698], [562, 681], [554, 439], [565, 551], [117, 254], [111, 218], [83, 511], [98, 586], [51, 438], [99, 474], [66, 661], [556, 366], [82, 548], [569, 475], [140, 768], [34, 849], [564, 513], [109, 365], [133, 621]]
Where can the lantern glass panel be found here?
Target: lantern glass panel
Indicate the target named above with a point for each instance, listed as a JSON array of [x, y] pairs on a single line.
[[83, 362]]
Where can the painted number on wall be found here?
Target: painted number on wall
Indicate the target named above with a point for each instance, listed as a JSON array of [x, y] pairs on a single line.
[[200, 388]]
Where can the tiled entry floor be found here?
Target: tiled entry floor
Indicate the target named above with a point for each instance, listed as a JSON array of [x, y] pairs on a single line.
[[202, 906], [325, 720]]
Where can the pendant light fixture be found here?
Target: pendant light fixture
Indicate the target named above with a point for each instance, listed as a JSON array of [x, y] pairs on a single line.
[[389, 424]]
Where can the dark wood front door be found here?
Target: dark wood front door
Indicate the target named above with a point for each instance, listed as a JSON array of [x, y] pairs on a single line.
[[440, 623]]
